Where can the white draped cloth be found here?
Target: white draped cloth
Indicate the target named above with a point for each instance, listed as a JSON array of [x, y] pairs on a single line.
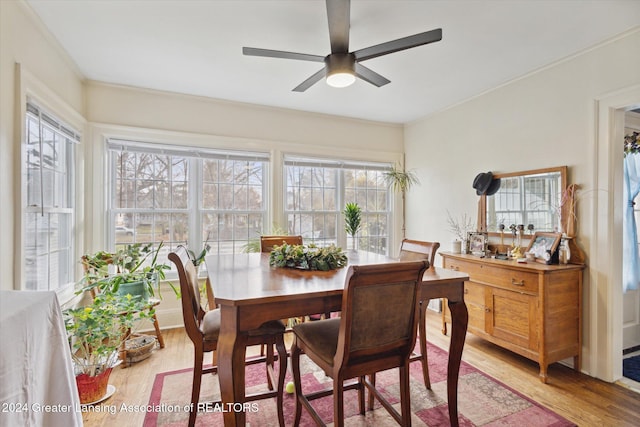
[[37, 382]]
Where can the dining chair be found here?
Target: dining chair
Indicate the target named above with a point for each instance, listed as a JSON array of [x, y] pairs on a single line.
[[203, 328], [412, 250], [268, 242], [377, 331]]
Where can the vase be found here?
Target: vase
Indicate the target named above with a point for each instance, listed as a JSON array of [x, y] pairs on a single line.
[[92, 388]]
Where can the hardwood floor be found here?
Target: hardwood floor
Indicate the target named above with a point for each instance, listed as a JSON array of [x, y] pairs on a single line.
[[577, 397]]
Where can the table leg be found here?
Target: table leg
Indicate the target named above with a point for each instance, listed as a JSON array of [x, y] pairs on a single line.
[[231, 361], [459, 320]]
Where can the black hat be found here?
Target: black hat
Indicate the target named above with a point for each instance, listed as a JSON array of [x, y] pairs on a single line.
[[493, 187], [481, 182], [485, 184]]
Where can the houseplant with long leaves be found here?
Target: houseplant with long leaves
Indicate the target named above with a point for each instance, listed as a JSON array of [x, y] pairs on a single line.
[[401, 181], [352, 221]]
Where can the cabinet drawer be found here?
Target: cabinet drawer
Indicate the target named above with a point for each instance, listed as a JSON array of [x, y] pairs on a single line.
[[521, 281]]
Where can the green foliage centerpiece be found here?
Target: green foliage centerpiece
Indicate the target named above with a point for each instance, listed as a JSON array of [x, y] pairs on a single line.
[[308, 257]]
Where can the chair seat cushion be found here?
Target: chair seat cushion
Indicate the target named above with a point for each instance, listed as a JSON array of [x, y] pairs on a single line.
[[210, 325], [320, 337]]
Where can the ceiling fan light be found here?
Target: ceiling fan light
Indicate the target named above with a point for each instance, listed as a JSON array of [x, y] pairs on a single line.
[[340, 79], [340, 69]]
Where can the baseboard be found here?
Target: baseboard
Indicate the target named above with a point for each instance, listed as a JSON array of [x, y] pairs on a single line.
[[435, 305]]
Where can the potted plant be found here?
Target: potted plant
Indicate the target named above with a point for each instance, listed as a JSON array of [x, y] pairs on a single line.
[[461, 228], [96, 332], [132, 276], [401, 181], [353, 221]]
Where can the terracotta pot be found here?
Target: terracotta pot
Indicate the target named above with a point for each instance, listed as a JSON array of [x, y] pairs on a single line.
[[91, 389]]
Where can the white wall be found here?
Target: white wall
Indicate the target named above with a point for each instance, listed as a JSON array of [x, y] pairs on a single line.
[[23, 42], [548, 118]]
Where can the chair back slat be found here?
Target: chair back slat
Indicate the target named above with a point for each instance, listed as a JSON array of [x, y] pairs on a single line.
[[268, 242], [416, 250]]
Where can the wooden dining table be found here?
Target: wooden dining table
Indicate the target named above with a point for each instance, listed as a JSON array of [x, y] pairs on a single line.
[[250, 292]]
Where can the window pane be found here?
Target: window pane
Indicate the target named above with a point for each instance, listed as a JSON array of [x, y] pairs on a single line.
[[48, 215], [313, 203], [48, 251], [155, 200]]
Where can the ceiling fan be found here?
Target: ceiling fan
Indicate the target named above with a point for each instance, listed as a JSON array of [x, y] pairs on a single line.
[[341, 66]]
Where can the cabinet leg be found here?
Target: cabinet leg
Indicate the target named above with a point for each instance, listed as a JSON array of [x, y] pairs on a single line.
[[577, 363], [543, 374]]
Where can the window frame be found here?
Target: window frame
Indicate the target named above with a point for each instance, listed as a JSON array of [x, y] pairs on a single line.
[[30, 89], [195, 209], [341, 167]]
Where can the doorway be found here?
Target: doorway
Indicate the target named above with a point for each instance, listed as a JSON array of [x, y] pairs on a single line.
[[631, 298]]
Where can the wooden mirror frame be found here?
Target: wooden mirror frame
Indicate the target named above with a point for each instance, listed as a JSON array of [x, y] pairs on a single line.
[[482, 204]]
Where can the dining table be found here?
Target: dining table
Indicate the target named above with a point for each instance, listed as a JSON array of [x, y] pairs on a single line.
[[250, 292]]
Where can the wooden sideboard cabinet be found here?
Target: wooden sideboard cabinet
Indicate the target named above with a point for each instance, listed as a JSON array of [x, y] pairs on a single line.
[[532, 309]]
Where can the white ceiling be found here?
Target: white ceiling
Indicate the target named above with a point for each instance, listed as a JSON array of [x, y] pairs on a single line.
[[195, 47]]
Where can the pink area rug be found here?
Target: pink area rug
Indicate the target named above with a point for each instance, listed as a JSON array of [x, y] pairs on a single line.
[[482, 400]]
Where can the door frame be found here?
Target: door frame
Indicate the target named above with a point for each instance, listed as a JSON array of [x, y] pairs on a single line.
[[605, 272]]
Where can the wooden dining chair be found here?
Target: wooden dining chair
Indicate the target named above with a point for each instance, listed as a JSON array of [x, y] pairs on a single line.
[[376, 332], [412, 250], [203, 328], [268, 242]]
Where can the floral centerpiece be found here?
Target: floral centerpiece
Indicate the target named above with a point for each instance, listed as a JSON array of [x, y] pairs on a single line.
[[96, 332], [308, 257]]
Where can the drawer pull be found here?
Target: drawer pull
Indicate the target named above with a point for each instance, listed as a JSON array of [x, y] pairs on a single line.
[[466, 291], [514, 283], [487, 310]]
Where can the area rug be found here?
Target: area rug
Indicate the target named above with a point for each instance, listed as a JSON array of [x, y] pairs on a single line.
[[482, 400], [631, 368]]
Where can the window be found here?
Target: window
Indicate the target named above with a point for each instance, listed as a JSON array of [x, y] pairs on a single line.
[[316, 192], [49, 211], [180, 195]]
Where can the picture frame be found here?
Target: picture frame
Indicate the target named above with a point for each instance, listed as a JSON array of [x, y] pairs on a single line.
[[544, 246], [478, 243]]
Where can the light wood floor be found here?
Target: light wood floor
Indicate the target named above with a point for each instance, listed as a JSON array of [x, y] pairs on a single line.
[[577, 397]]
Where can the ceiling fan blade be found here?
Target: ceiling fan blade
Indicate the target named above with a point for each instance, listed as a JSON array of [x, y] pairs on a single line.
[[338, 14], [398, 45], [370, 76], [310, 81], [254, 51]]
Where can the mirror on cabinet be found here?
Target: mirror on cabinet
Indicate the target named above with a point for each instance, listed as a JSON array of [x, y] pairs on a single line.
[[532, 198]]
